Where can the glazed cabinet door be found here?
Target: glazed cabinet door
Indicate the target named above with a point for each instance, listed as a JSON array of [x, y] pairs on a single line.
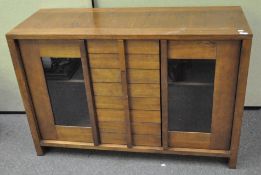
[[198, 81], [59, 82]]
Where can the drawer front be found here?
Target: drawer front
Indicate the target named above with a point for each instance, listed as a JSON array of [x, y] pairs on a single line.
[[131, 46], [143, 86]]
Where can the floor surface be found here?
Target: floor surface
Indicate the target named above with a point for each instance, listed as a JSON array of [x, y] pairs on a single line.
[[17, 156]]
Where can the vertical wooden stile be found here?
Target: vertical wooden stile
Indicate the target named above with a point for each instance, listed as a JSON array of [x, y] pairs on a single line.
[[164, 91], [124, 82], [239, 101], [89, 94], [26, 95]]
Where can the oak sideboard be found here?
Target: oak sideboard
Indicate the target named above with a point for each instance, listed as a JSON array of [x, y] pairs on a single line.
[[153, 80]]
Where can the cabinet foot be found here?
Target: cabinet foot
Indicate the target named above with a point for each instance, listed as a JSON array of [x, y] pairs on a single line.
[[232, 163], [40, 150]]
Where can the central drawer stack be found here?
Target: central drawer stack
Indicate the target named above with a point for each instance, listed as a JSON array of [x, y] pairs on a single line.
[[143, 90]]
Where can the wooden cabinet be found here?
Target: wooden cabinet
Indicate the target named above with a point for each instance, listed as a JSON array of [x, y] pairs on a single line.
[[155, 80]]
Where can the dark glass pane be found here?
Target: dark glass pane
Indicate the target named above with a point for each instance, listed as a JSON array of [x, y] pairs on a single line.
[[190, 84], [66, 88]]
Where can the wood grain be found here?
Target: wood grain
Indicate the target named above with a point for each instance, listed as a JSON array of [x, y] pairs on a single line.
[[143, 76], [101, 61], [135, 90], [147, 140], [89, 94], [25, 93], [189, 140], [142, 47], [143, 149], [239, 102], [106, 75], [134, 76], [139, 103], [191, 50], [138, 140], [135, 23], [113, 138], [111, 115], [138, 128], [134, 61], [59, 49], [143, 61], [38, 88], [224, 93], [125, 92], [74, 134], [164, 92]]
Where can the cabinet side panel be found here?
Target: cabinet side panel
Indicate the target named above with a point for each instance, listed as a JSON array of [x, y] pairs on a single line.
[[25, 93], [240, 99]]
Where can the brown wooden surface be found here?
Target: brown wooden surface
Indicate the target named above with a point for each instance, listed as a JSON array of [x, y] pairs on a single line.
[[139, 103], [136, 23], [239, 101], [191, 49], [135, 90], [25, 93], [143, 149], [35, 76], [224, 93], [135, 61], [145, 28], [143, 76], [164, 92], [113, 138], [131, 46], [147, 140], [112, 115], [38, 88], [89, 92], [59, 49], [74, 134], [137, 128], [125, 93], [189, 140]]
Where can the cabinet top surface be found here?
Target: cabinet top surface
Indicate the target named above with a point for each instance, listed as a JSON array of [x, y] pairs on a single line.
[[134, 23]]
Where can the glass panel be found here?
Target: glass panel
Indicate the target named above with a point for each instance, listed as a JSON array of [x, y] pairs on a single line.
[[191, 85], [66, 88]]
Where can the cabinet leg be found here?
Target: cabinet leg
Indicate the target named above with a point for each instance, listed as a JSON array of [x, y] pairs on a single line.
[[232, 162], [39, 150]]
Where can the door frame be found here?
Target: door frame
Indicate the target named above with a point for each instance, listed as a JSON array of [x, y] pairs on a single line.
[[226, 54], [31, 53]]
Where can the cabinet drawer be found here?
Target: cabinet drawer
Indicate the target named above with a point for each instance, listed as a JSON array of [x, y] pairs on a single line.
[[142, 61], [191, 49], [59, 49], [147, 140], [134, 76], [134, 61], [131, 46], [142, 47], [137, 128], [107, 61], [143, 76], [107, 115], [112, 138], [135, 90], [139, 140], [138, 103], [106, 75]]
